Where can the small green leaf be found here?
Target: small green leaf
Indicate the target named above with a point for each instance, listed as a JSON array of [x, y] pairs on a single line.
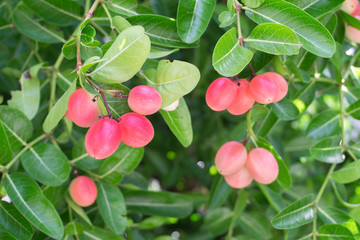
[[325, 124], [159, 52], [253, 3], [123, 7], [120, 23], [354, 110], [152, 222], [335, 232], [77, 209], [98, 233], [317, 8], [347, 174], [349, 19], [226, 19], [5, 148], [87, 34], [328, 150], [285, 110], [220, 190], [69, 49]]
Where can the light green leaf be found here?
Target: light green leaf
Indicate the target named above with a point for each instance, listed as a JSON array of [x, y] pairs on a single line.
[[152, 222], [123, 7], [285, 110], [253, 3], [335, 232], [347, 174], [354, 110], [325, 124], [159, 52], [349, 19], [74, 228], [98, 233], [226, 19], [328, 150], [120, 23], [77, 209]]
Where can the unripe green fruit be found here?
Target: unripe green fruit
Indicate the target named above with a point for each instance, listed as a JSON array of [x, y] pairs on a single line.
[[83, 191]]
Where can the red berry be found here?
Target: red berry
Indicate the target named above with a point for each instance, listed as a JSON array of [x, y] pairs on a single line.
[[230, 158], [243, 100], [353, 34], [240, 179], [136, 130], [352, 7], [83, 191], [263, 89], [144, 100], [220, 94], [262, 165], [103, 138], [83, 109], [281, 84]]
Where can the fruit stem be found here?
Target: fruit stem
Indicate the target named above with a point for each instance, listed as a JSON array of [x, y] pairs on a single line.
[[238, 9], [78, 56], [105, 102], [249, 127], [90, 13]]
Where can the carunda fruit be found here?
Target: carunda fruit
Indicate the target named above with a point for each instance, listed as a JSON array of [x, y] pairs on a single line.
[[262, 165], [83, 191], [281, 84], [230, 158], [220, 94], [263, 89], [240, 179], [243, 100], [144, 100]]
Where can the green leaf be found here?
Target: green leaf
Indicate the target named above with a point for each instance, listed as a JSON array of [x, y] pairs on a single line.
[[13, 222], [349, 19], [354, 110], [179, 121], [120, 23], [285, 110], [255, 226], [314, 36], [347, 174], [61, 13], [131, 46], [59, 109], [193, 18], [253, 3], [164, 204], [123, 7], [81, 158], [5, 148], [267, 124], [220, 190], [98, 233], [33, 29], [161, 30], [30, 201], [274, 38], [317, 8], [87, 34], [324, 124], [47, 164], [152, 222], [340, 192], [218, 220], [112, 208], [335, 232], [74, 228], [122, 162], [69, 49], [77, 209], [296, 214], [333, 215], [159, 52], [328, 150], [229, 58], [226, 19], [173, 80]]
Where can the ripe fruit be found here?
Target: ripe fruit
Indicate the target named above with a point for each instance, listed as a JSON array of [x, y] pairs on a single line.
[[83, 109], [262, 165], [263, 89], [103, 138], [353, 34], [83, 191], [172, 106], [352, 7], [243, 100], [136, 130], [240, 179], [144, 100], [230, 158], [281, 84], [220, 94]]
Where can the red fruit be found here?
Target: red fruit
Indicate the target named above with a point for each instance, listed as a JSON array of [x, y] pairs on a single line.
[[352, 7], [103, 138], [240, 179], [353, 34], [83, 191], [262, 165], [220, 94], [263, 89], [243, 100], [144, 100], [136, 130], [230, 158], [281, 84], [83, 109]]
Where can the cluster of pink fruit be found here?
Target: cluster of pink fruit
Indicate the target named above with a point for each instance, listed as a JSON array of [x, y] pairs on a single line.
[[239, 96], [353, 8], [239, 168], [105, 134]]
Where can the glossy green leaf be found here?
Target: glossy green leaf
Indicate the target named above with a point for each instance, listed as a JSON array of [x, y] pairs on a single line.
[[61, 13], [120, 23], [348, 173], [74, 228], [77, 209], [59, 110], [285, 110], [30, 201], [5, 148], [274, 38], [25, 23], [179, 122], [47, 164], [112, 208], [131, 46], [229, 58], [12, 222], [317, 8], [335, 232], [220, 190], [253, 3], [328, 150], [218, 220], [354, 110], [267, 124], [314, 36], [123, 7], [193, 18], [81, 158], [152, 222], [226, 19], [254, 225], [87, 34], [325, 124], [296, 214], [333, 215], [158, 203], [159, 52], [122, 162], [349, 19], [161, 30], [341, 194], [98, 233]]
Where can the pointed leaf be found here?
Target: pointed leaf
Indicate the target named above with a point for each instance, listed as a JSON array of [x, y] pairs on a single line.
[[354, 110], [317, 8], [253, 3], [5, 148], [333, 216], [285, 110], [325, 124], [349, 19], [220, 190], [335, 232], [328, 150], [77, 209], [347, 174], [123, 7], [98, 233]]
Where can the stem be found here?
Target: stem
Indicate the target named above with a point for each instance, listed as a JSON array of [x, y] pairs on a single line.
[[323, 187], [238, 9], [78, 56], [59, 61], [103, 32], [105, 102], [352, 155], [249, 127], [352, 61], [52, 89], [342, 115], [6, 26], [314, 230], [108, 15], [90, 13], [78, 158]]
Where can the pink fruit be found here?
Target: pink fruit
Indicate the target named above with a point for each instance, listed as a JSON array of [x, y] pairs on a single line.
[[103, 138], [144, 100], [136, 130], [281, 84], [83, 191], [83, 109], [220, 94], [240, 179], [352, 7], [263, 89], [243, 100], [262, 165], [353, 34], [230, 158]]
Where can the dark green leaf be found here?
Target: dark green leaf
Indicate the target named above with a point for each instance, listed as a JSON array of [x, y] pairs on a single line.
[[354, 110], [218, 220], [74, 228], [347, 174], [77, 209], [82, 158], [317, 8], [220, 190], [328, 150], [285, 110], [324, 124], [333, 216], [335, 232], [5, 148], [98, 233]]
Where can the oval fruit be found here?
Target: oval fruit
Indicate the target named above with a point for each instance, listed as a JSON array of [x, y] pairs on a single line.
[[144, 100], [230, 158], [243, 100], [220, 94], [263, 89], [262, 165], [240, 179], [281, 83], [83, 191], [352, 7]]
